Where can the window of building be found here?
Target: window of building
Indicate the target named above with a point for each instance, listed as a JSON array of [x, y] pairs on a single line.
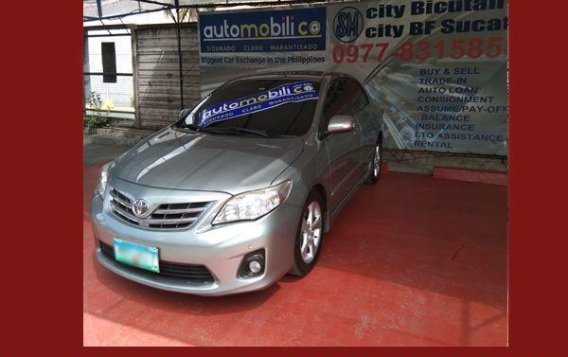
[[109, 62]]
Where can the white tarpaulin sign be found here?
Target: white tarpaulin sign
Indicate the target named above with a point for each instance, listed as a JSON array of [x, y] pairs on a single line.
[[438, 68]]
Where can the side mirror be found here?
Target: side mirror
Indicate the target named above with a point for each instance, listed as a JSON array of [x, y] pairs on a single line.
[[341, 124]]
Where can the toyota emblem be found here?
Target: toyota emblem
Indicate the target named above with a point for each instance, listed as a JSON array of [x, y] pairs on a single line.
[[141, 209]]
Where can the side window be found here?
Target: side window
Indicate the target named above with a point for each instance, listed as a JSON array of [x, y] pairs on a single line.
[[329, 107], [361, 100], [357, 100], [345, 96]]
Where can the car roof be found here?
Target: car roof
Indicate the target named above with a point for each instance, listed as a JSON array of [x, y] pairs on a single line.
[[319, 75]]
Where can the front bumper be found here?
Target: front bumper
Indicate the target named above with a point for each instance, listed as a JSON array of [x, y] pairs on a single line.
[[220, 249]]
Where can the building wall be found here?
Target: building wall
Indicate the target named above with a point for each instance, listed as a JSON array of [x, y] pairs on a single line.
[[156, 72]]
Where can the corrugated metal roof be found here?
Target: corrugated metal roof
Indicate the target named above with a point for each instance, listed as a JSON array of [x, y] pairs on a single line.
[[114, 9]]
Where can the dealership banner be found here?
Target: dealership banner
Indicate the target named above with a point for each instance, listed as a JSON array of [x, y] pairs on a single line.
[[437, 68]]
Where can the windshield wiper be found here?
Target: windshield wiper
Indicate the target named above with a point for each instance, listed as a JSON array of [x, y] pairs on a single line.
[[226, 130], [235, 130], [197, 128], [252, 131]]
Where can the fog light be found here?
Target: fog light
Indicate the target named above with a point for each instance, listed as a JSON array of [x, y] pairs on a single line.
[[253, 264]]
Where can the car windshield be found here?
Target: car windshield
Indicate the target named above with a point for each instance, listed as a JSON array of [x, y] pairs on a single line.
[[266, 107]]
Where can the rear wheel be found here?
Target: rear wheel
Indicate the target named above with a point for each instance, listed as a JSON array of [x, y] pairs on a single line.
[[376, 163], [310, 235]]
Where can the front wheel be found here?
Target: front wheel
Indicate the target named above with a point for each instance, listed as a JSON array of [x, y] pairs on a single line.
[[310, 235], [376, 163]]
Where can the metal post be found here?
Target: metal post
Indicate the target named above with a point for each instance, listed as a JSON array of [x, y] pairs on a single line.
[[179, 56], [135, 74], [99, 9], [86, 68]]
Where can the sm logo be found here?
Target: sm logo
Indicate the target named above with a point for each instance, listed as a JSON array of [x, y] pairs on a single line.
[[348, 24]]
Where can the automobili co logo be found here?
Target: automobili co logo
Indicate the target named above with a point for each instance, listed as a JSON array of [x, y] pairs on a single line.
[[281, 27], [348, 24]]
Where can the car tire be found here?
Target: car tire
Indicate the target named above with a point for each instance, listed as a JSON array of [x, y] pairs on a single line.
[[376, 163], [309, 238]]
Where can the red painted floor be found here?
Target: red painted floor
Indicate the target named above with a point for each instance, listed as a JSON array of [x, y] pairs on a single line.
[[411, 261]]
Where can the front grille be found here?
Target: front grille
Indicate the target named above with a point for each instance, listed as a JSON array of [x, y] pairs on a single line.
[[166, 216], [197, 274]]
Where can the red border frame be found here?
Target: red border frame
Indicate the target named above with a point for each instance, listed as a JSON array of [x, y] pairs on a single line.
[[42, 280]]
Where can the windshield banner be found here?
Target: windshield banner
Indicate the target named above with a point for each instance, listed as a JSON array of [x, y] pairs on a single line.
[[437, 69], [265, 100]]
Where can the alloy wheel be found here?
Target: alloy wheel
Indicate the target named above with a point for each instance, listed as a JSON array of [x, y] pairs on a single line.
[[311, 232]]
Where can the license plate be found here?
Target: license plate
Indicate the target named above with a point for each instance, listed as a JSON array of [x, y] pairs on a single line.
[[137, 255]]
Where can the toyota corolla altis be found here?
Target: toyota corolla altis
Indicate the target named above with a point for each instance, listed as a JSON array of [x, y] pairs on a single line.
[[242, 189]]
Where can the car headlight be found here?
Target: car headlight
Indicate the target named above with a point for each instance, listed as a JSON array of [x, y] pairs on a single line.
[[251, 205], [103, 179]]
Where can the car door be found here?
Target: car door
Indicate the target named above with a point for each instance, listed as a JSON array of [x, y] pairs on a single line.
[[367, 120], [343, 148]]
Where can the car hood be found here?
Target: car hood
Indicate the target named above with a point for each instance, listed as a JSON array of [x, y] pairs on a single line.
[[194, 161]]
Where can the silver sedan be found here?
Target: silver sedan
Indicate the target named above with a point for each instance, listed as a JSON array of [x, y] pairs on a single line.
[[242, 189]]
